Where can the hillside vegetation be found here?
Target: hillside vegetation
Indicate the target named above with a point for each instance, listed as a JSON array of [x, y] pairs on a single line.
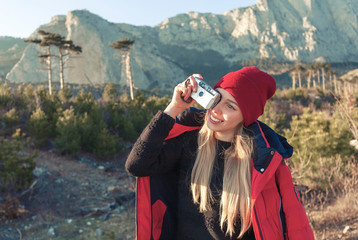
[[321, 126]]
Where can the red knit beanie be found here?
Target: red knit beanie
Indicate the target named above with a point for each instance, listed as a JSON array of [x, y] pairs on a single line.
[[251, 88]]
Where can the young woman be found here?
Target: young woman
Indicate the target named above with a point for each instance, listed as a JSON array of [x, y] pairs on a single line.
[[225, 179]]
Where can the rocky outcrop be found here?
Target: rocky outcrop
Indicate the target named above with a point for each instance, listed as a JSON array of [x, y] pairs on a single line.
[[276, 30]]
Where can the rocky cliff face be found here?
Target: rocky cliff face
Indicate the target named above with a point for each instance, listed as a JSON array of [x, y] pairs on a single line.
[[279, 30], [10, 52]]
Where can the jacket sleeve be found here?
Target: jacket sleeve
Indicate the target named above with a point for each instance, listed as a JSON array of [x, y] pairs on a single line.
[[151, 155], [191, 117], [297, 223]]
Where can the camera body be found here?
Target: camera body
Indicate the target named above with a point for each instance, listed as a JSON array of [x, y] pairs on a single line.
[[205, 95]]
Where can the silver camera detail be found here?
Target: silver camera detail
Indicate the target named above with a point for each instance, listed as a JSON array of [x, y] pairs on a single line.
[[205, 95]]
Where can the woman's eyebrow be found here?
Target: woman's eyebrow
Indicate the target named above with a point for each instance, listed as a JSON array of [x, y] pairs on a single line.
[[231, 101]]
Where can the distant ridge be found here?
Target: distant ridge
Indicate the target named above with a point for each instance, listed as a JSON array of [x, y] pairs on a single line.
[[273, 31]]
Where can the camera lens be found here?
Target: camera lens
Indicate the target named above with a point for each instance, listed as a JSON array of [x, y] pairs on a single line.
[[201, 94]]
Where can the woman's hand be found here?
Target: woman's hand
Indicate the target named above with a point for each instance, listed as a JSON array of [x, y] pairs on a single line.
[[181, 99]]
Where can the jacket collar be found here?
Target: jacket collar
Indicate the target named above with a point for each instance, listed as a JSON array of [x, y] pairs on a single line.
[[269, 151]]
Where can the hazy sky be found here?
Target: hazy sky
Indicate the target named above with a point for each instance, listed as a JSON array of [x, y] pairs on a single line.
[[20, 18]]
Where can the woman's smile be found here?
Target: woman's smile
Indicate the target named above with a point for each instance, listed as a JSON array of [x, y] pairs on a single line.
[[214, 120], [225, 117]]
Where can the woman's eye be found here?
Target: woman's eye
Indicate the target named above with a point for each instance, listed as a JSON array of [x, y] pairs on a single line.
[[230, 106]]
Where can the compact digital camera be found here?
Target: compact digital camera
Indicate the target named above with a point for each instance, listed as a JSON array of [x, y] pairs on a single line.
[[205, 95]]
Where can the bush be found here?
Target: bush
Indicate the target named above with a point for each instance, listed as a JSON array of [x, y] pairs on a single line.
[[318, 134], [106, 144], [84, 102], [15, 166], [65, 94], [5, 95], [90, 126], [110, 94], [31, 98], [140, 111], [119, 122], [39, 128], [11, 118], [68, 139], [50, 104]]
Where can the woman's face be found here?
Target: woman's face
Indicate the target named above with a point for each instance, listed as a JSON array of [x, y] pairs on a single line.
[[225, 118]]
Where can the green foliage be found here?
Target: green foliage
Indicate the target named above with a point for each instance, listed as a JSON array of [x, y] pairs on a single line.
[[275, 117], [15, 167], [90, 125], [29, 92], [68, 138], [65, 94], [18, 100], [84, 102], [29, 95], [11, 118], [5, 95], [141, 110], [106, 144], [50, 105], [120, 123], [128, 118], [318, 134], [39, 127], [110, 94]]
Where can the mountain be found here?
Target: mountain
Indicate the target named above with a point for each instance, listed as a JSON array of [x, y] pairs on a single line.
[[11, 50], [271, 32]]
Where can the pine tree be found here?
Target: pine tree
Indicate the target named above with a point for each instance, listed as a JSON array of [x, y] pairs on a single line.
[[124, 47], [64, 48]]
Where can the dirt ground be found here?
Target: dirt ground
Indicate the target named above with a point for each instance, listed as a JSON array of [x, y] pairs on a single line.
[[83, 199], [76, 198]]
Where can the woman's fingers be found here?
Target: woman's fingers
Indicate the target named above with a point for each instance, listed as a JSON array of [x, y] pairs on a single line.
[[198, 76], [185, 88], [192, 81]]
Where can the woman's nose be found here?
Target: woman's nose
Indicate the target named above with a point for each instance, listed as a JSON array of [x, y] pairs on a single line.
[[217, 108]]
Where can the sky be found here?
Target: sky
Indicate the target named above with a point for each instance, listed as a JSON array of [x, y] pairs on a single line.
[[20, 18]]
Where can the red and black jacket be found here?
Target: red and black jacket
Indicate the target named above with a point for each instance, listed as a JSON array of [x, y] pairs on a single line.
[[277, 210]]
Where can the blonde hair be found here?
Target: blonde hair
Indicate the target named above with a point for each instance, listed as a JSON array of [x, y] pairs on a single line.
[[236, 194]]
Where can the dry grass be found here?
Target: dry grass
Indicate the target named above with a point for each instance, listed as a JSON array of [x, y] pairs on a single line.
[[338, 220], [332, 209]]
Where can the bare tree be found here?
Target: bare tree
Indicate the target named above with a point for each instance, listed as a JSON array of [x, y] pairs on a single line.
[[64, 47], [47, 44], [293, 76], [310, 76], [317, 68], [124, 47], [299, 70], [324, 68], [334, 73]]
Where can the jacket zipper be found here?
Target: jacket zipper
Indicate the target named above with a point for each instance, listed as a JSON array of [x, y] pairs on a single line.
[[258, 224]]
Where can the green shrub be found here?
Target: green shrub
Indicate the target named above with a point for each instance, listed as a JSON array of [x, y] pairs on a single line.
[[50, 104], [106, 144], [140, 111], [39, 127], [31, 98], [15, 166], [68, 139], [11, 118], [110, 94], [84, 102], [275, 117], [318, 134], [29, 92], [65, 94], [5, 95], [90, 125], [119, 122]]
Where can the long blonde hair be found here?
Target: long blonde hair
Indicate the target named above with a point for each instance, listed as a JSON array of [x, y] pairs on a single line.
[[236, 195]]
